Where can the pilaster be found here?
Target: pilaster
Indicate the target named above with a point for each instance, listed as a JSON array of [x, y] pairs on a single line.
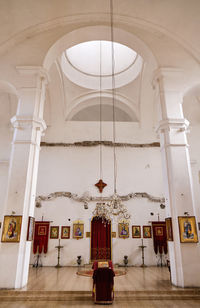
[[172, 128], [28, 126]]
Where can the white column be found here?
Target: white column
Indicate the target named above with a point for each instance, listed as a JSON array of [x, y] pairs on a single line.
[[28, 125], [184, 257]]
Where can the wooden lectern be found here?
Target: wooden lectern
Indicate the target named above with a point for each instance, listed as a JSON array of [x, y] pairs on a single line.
[[103, 282]]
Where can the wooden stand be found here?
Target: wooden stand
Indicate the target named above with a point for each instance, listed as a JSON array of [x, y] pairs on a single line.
[[58, 247], [142, 247]]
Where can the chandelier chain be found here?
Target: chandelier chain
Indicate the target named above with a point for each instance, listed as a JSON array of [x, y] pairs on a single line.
[[113, 97], [100, 110]]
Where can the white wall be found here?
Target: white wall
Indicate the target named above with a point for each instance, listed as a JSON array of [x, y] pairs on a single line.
[[8, 105], [76, 169]]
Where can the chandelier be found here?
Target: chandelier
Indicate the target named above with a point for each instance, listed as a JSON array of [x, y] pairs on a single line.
[[114, 207]]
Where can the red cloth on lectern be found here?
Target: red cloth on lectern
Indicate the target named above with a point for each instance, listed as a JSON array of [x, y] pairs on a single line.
[[103, 279], [100, 239], [41, 236], [159, 236]]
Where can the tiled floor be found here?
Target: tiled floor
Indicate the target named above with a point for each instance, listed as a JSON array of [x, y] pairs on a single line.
[[148, 287]]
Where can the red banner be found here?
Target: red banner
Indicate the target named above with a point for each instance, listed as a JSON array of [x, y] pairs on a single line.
[[159, 236], [41, 236]]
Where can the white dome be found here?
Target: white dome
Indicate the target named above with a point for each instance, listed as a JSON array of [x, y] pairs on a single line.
[[81, 64], [86, 57]]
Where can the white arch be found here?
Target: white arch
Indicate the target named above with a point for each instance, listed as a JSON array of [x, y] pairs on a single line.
[[6, 87], [84, 101], [97, 33], [193, 90], [123, 20]]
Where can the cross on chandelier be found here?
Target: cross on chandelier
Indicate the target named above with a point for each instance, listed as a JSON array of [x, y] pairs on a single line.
[[100, 185]]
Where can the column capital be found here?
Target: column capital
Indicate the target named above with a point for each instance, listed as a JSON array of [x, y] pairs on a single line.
[[22, 122], [180, 125], [34, 71], [169, 79]]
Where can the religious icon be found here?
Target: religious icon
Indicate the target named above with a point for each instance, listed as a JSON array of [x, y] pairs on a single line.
[[169, 231], [65, 232], [188, 230], [123, 230], [78, 229], [31, 226], [136, 232], [54, 232], [11, 229], [113, 234], [88, 234], [146, 231]]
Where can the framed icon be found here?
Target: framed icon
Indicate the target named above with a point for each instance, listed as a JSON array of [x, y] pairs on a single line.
[[123, 230], [54, 232], [113, 234], [169, 229], [136, 232], [78, 229], [11, 229], [187, 229], [88, 234], [65, 232], [146, 231]]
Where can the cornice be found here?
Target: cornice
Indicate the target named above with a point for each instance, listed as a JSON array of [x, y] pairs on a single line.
[[21, 122]]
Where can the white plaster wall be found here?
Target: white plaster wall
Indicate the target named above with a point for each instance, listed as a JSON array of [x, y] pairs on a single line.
[[76, 169], [3, 186], [194, 149], [8, 105]]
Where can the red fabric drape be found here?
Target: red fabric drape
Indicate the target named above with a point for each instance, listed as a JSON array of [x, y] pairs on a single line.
[[103, 279], [159, 236], [100, 240], [41, 236]]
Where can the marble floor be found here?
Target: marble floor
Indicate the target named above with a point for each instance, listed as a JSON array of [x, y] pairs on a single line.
[[50, 287], [65, 279]]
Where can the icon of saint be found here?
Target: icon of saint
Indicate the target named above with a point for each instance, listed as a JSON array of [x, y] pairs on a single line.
[[11, 229]]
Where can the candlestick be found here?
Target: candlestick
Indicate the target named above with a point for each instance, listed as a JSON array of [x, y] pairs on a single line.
[[58, 247], [142, 247]]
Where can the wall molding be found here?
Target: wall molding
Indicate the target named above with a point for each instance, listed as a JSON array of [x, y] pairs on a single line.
[[96, 143], [86, 198]]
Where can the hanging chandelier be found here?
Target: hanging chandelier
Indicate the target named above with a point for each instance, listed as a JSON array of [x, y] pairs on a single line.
[[114, 207]]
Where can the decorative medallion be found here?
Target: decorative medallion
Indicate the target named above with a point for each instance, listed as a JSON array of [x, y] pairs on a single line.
[[100, 185]]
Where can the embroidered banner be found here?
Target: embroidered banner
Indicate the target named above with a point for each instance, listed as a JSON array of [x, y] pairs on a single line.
[[159, 236], [41, 236]]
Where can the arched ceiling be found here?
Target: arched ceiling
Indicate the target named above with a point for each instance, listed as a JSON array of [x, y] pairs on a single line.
[[178, 18], [27, 25], [92, 113], [164, 33]]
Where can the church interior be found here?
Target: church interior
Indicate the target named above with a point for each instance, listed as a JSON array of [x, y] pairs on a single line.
[[99, 153]]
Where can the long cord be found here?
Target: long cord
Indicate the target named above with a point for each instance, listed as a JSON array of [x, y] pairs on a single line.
[[113, 98], [100, 110]]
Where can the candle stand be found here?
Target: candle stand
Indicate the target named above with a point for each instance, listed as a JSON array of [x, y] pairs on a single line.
[[59, 248], [142, 247], [38, 262]]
